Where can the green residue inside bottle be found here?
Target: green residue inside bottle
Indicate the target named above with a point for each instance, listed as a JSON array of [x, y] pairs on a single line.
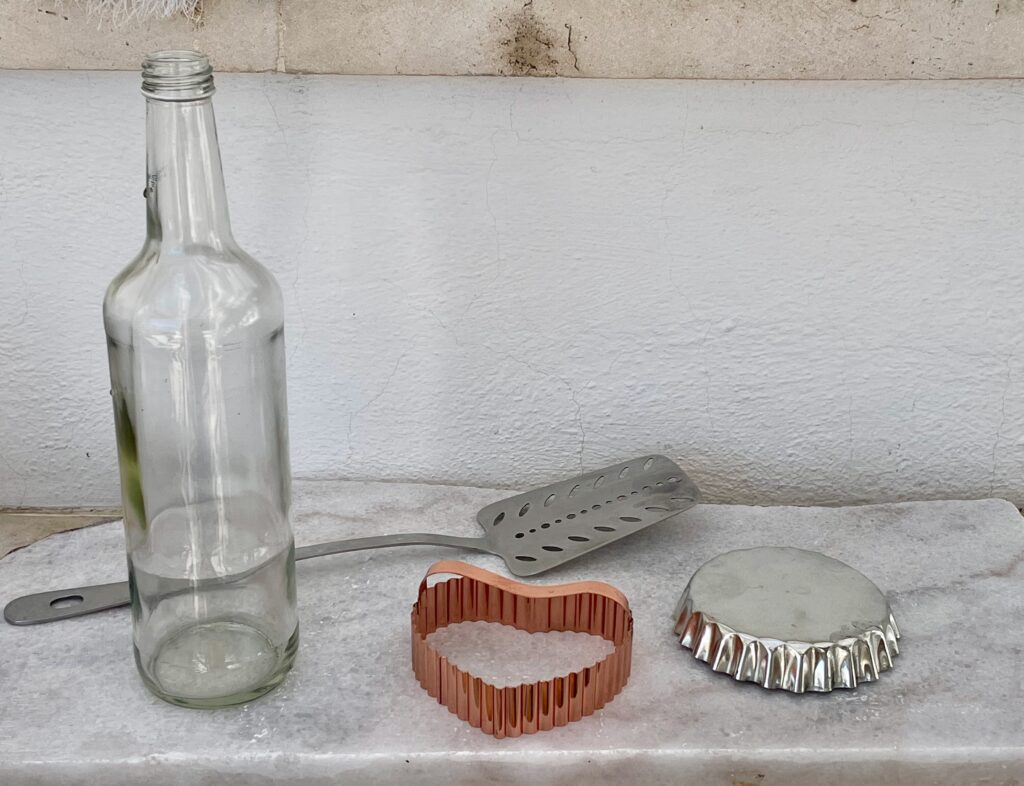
[[128, 459]]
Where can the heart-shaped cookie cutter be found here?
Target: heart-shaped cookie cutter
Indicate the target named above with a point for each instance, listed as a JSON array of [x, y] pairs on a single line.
[[479, 595]]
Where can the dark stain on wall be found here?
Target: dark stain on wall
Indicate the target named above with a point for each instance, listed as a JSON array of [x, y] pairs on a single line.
[[528, 46]]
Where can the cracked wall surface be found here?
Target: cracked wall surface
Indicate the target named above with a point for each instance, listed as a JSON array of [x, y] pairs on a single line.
[[802, 291], [701, 39]]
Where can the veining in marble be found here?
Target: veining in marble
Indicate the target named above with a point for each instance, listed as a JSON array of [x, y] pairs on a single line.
[[75, 711], [503, 655]]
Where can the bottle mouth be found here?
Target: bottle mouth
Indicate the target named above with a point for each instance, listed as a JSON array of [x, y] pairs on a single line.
[[177, 75]]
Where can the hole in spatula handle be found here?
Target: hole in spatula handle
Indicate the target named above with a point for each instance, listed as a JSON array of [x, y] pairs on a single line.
[[66, 601]]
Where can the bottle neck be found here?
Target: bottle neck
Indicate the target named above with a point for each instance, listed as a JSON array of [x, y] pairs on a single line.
[[185, 200]]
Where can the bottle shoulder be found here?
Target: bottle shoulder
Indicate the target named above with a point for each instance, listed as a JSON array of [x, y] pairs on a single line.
[[220, 291]]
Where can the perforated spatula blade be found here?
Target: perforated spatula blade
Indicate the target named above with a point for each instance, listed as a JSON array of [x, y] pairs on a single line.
[[544, 528], [532, 532]]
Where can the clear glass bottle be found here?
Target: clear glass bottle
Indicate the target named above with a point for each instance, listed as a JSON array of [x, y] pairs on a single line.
[[195, 336]]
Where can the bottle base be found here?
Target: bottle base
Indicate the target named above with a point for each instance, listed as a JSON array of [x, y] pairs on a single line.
[[216, 663]]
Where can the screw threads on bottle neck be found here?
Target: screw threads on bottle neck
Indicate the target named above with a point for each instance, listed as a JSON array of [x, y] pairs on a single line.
[[177, 75]]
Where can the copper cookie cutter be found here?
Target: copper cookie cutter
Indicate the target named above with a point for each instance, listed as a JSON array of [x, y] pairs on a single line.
[[479, 595]]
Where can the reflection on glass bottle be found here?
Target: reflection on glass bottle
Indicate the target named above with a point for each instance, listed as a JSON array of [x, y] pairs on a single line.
[[195, 335]]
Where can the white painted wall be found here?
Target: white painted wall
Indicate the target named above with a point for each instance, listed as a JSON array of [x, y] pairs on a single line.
[[806, 292]]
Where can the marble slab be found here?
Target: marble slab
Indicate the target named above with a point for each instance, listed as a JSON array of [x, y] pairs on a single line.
[[73, 710]]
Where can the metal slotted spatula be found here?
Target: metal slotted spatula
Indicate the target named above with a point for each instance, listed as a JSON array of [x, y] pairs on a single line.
[[532, 532]]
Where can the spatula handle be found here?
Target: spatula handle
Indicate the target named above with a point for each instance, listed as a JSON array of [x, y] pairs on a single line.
[[386, 541], [79, 601], [64, 604]]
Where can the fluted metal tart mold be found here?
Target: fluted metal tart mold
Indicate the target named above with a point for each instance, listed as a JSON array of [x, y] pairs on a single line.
[[777, 662]]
